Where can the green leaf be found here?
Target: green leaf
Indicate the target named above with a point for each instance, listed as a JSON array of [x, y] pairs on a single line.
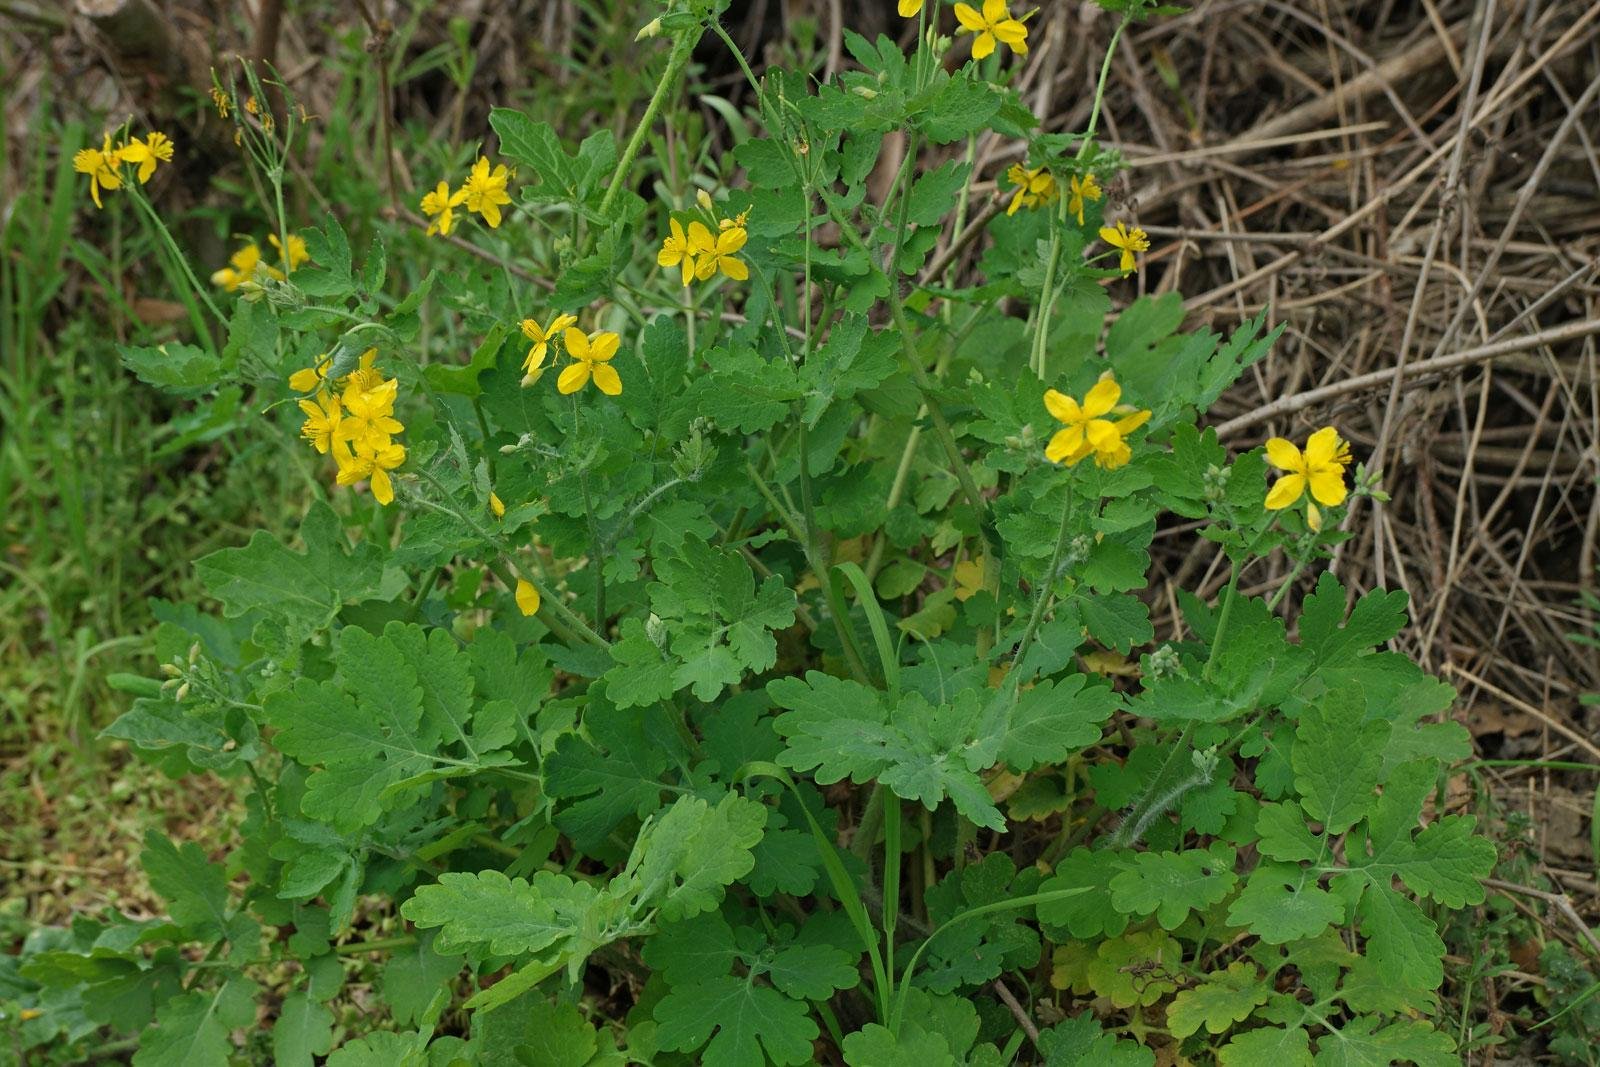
[[1361, 1043], [1048, 723], [643, 673], [413, 976], [195, 889], [1283, 834], [683, 861], [853, 360], [1401, 940], [534, 145], [745, 1023], [1172, 884], [303, 1031], [192, 1030], [1376, 618], [978, 950], [1337, 757], [175, 368], [612, 775], [877, 1046], [840, 729], [722, 622], [1224, 998], [934, 191], [1081, 1042], [1281, 904], [510, 916], [383, 1048], [304, 589], [1085, 915], [1278, 1046], [742, 392]]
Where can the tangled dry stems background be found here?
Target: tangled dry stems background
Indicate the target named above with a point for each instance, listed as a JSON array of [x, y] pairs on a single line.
[[1413, 186]]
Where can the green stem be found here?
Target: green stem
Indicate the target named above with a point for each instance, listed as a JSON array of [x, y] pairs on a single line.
[[682, 48], [571, 624], [1100, 88], [1228, 596]]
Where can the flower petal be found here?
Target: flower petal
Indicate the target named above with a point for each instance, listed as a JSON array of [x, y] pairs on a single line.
[[1065, 442], [1282, 453], [1327, 485], [968, 16], [1062, 406], [734, 268], [1102, 398], [1322, 447], [573, 378], [607, 379], [1286, 491], [603, 346], [577, 342]]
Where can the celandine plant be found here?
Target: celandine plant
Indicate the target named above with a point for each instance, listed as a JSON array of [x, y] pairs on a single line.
[[774, 676]]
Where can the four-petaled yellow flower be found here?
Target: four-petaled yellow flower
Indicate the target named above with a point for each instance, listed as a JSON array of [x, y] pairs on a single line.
[[373, 464], [155, 148], [591, 354], [1087, 430], [242, 268], [1319, 468], [100, 164], [322, 420], [527, 597], [993, 23], [486, 190], [675, 251], [541, 336], [440, 206], [1129, 241], [1034, 187], [298, 253], [910, 9], [1080, 190], [369, 420], [713, 254], [364, 377]]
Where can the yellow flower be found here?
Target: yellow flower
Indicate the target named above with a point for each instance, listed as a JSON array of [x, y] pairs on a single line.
[[486, 190], [298, 253], [497, 505], [222, 101], [591, 354], [100, 164], [739, 220], [993, 23], [1130, 241], [1320, 468], [713, 254], [675, 251], [1079, 190], [1034, 187], [242, 268], [322, 420], [365, 377], [527, 597], [373, 464], [1088, 431], [369, 420], [541, 336], [910, 9], [440, 206], [155, 148]]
